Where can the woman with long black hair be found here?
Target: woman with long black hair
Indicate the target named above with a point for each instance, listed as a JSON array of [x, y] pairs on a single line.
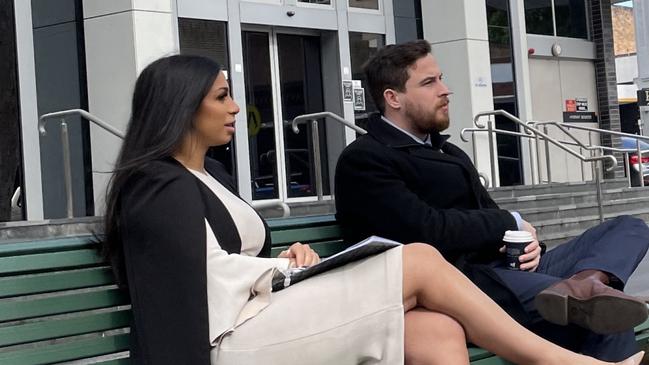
[[195, 259]]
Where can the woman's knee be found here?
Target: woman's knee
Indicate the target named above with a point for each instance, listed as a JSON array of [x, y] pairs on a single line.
[[414, 252], [429, 335]]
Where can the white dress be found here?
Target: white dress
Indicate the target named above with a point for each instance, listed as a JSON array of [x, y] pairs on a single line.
[[347, 316]]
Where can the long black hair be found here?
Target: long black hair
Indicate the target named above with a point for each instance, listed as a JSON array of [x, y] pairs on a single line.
[[166, 97]]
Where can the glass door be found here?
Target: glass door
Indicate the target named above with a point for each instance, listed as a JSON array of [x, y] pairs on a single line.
[[283, 80], [503, 78]]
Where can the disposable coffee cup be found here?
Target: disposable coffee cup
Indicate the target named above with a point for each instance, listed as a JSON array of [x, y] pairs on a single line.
[[515, 243]]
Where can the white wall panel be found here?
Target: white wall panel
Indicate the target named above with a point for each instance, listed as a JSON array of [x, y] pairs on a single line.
[[203, 9]]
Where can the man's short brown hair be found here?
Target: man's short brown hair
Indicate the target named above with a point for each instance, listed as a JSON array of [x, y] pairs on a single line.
[[388, 68]]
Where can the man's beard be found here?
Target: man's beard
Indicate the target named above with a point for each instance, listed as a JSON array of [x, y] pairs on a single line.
[[427, 121]]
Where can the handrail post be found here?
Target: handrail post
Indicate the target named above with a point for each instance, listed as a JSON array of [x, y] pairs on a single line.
[[547, 155], [538, 157], [67, 169], [530, 146], [492, 161], [315, 135], [598, 184], [583, 165], [627, 167], [640, 169]]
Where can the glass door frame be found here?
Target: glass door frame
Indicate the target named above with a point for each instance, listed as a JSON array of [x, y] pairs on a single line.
[[273, 32]]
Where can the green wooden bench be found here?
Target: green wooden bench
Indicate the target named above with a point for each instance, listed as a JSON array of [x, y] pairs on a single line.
[[58, 301]]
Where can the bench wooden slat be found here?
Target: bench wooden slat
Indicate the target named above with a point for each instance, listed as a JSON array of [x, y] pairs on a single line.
[[59, 244], [494, 360], [66, 351], [476, 353], [643, 327], [49, 261], [642, 338], [52, 281], [277, 224], [63, 327], [29, 308], [306, 235]]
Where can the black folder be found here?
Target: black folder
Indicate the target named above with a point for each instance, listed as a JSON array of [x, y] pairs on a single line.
[[367, 247]]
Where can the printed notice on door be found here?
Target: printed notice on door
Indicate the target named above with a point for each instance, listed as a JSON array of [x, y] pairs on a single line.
[[348, 91], [359, 99]]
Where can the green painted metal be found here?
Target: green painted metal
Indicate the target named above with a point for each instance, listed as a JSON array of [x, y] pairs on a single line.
[[294, 222], [306, 235], [476, 353], [40, 246], [50, 353], [23, 308], [49, 261], [63, 327], [494, 360], [53, 281]]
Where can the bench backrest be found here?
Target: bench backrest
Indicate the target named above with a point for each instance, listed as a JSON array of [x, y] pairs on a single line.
[[58, 300]]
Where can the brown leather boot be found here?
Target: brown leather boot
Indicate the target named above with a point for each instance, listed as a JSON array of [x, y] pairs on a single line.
[[586, 300]]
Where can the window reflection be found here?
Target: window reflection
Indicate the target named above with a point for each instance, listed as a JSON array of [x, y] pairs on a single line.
[[363, 46], [208, 38], [364, 4], [504, 91], [500, 48], [538, 17], [317, 2], [571, 18]]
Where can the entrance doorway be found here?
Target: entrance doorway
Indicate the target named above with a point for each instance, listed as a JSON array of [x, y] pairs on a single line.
[[283, 74]]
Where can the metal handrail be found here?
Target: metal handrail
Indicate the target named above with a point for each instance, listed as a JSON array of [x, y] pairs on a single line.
[[564, 126], [100, 123], [262, 204], [598, 130], [67, 170], [15, 198], [315, 137], [65, 145], [537, 132], [533, 133], [336, 117]]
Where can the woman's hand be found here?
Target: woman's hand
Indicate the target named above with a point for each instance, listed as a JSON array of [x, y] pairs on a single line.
[[300, 255]]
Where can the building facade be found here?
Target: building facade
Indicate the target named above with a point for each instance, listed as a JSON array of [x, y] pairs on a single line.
[[285, 58]]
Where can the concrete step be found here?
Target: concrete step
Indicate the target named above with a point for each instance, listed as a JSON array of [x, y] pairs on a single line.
[[556, 231], [569, 198], [32, 230], [619, 206], [301, 209], [554, 188]]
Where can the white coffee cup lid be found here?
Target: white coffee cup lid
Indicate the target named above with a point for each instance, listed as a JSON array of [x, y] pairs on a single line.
[[518, 236]]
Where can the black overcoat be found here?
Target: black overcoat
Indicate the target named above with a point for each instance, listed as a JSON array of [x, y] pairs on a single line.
[[389, 185], [163, 210]]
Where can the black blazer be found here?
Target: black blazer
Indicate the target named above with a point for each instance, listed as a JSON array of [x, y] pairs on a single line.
[[389, 185], [163, 210]]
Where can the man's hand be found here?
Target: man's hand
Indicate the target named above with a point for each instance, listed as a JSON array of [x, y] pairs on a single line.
[[530, 260], [300, 255]]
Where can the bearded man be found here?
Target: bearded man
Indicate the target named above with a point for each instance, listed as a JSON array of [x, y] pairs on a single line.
[[404, 181]]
